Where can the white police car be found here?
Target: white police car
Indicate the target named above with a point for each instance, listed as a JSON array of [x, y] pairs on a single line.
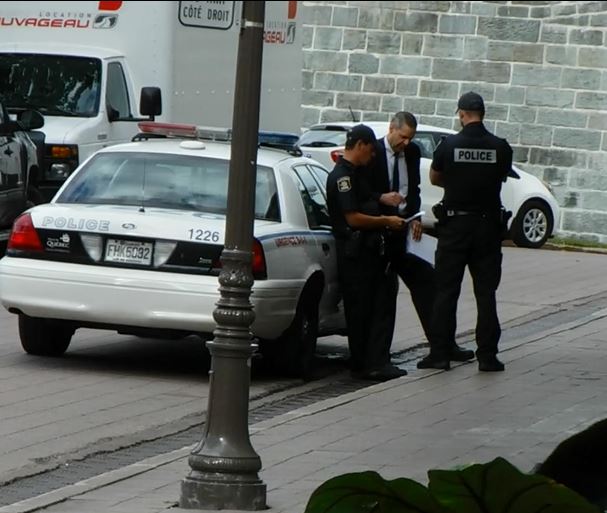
[[131, 242], [534, 208]]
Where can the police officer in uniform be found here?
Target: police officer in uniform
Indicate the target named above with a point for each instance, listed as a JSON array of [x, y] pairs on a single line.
[[471, 166], [368, 286]]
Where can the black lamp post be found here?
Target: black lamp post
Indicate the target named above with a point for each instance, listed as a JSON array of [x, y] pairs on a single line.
[[224, 464]]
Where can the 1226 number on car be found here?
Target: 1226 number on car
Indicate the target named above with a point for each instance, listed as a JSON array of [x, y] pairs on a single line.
[[203, 235]]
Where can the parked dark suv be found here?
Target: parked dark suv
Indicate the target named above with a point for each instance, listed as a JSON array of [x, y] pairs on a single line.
[[20, 147]]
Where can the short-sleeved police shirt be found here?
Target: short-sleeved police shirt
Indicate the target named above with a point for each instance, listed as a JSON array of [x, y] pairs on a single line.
[[342, 195], [473, 164]]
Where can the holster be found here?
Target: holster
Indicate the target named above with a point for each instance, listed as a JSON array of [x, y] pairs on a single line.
[[505, 215], [440, 212]]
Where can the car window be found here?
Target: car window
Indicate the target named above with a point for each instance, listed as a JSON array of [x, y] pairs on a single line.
[[426, 144], [165, 181], [313, 198], [321, 175], [323, 138], [117, 94]]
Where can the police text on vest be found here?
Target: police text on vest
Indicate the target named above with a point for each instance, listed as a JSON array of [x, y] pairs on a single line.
[[475, 155]]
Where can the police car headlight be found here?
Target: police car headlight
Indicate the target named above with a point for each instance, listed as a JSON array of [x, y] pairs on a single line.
[[93, 244], [162, 252]]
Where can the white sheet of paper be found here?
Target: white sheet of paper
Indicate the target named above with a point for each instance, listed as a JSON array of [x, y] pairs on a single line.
[[423, 248]]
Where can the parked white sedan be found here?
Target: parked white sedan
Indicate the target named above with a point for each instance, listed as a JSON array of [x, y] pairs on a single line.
[[534, 208], [132, 241]]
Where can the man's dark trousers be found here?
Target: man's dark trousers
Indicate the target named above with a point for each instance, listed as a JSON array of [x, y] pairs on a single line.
[[369, 295], [475, 241]]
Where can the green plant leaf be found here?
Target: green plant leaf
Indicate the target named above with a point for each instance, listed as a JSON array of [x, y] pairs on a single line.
[[368, 492], [499, 487]]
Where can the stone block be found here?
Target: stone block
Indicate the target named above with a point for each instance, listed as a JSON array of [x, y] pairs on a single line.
[[318, 98], [497, 112], [598, 20], [561, 55], [307, 79], [553, 34], [454, 24], [412, 21], [450, 69], [604, 143], [407, 86], [593, 200], [588, 179], [412, 44], [354, 39], [524, 74], [484, 8], [460, 7], [564, 9], [576, 78], [546, 97], [443, 46], [338, 82], [487, 91], [595, 101], [436, 89], [446, 108], [307, 36], [328, 38], [520, 154], [363, 63], [509, 131], [536, 135], [310, 116], [586, 36], [597, 161], [317, 14], [586, 7], [379, 85], [391, 104], [476, 47], [593, 57], [396, 65], [510, 95], [604, 81], [443, 122], [329, 115], [375, 116], [555, 177], [539, 12], [585, 222], [509, 29], [514, 52], [345, 16], [598, 122], [419, 105], [571, 199], [357, 101], [555, 157], [375, 18], [513, 11], [577, 138], [383, 42], [432, 6], [522, 114], [320, 60], [558, 117]]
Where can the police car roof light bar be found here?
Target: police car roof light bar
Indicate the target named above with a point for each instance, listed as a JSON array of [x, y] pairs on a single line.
[[212, 133], [280, 140], [167, 129]]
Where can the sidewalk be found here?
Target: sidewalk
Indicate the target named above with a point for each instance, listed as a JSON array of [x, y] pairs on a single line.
[[554, 385]]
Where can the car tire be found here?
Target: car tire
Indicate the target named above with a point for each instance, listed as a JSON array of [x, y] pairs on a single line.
[[292, 354], [43, 337], [532, 225]]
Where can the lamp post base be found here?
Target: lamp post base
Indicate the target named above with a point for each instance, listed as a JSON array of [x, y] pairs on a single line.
[[214, 491]]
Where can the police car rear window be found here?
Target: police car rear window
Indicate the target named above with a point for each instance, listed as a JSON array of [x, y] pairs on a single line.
[[323, 138], [165, 181]]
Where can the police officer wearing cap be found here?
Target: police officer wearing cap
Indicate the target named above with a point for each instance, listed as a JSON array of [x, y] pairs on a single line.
[[470, 166], [368, 287]]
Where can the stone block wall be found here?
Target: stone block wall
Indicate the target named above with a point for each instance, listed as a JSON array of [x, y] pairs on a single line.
[[541, 67]]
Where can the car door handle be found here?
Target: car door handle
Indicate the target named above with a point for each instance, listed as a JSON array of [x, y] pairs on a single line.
[[326, 248]]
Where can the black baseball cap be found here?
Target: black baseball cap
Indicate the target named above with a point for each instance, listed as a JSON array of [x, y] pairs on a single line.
[[361, 133], [471, 101]]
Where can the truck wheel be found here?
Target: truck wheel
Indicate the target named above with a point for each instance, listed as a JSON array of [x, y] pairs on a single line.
[[42, 337], [292, 354], [532, 225]]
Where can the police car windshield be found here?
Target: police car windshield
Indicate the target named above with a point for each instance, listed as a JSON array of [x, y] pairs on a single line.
[[323, 138], [177, 182]]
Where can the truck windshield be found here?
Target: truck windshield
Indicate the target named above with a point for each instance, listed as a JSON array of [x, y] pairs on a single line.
[[56, 85]]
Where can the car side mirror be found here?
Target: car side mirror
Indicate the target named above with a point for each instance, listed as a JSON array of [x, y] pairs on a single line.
[[150, 102], [30, 119]]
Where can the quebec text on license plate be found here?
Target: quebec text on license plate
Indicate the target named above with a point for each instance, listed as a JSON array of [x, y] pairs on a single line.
[[128, 252]]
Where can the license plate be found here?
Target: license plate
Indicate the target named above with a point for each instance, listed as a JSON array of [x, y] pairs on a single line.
[[128, 252]]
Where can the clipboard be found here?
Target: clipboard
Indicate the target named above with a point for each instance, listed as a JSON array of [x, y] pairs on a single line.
[[425, 248]]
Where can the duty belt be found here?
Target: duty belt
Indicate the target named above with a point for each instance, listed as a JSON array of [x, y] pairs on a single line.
[[452, 213]]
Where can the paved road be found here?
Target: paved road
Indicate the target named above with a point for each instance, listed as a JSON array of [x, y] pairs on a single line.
[[110, 390]]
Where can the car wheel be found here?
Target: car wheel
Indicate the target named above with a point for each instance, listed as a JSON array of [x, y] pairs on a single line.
[[293, 353], [532, 225], [43, 337]]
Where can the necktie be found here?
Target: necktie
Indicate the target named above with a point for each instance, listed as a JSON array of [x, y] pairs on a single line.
[[395, 177]]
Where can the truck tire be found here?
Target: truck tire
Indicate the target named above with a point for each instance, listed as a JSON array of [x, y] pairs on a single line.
[[43, 337], [532, 225]]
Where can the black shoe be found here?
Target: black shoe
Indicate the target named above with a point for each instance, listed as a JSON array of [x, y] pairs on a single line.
[[385, 373], [459, 354], [491, 364], [430, 362]]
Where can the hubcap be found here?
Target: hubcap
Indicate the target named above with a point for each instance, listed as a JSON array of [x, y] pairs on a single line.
[[535, 225]]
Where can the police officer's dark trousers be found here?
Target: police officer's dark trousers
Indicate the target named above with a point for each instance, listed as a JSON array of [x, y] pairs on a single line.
[[472, 240], [369, 295]]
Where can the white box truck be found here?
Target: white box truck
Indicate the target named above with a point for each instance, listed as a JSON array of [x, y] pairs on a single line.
[[83, 65]]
